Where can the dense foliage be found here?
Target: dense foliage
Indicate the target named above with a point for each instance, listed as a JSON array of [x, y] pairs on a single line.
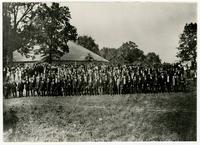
[[129, 52], [89, 43], [30, 24], [16, 16], [188, 44]]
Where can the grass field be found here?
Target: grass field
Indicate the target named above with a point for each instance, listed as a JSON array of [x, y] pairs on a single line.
[[137, 117]]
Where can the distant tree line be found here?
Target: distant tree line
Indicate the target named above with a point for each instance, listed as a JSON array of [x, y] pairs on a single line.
[[129, 52]]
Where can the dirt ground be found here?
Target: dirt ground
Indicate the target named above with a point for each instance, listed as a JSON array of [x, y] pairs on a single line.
[[137, 117]]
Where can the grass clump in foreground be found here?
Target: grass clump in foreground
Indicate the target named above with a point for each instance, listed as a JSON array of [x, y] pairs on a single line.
[[137, 117]]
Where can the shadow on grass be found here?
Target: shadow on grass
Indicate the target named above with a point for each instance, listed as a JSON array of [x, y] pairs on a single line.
[[183, 121], [10, 120]]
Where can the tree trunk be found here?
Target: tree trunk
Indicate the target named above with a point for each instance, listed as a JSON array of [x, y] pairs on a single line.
[[7, 48], [50, 55]]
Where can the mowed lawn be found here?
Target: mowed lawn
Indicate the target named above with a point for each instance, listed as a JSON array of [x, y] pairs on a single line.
[[136, 117]]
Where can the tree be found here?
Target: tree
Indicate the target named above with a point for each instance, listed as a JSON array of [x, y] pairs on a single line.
[[21, 13], [108, 53], [113, 55], [127, 53], [15, 17], [130, 52], [188, 44], [151, 58], [6, 34], [89, 43], [52, 30]]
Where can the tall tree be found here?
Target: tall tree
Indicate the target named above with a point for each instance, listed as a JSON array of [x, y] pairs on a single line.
[[6, 33], [188, 44], [89, 43], [52, 30], [15, 17]]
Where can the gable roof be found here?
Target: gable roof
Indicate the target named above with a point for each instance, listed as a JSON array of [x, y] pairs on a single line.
[[76, 53]]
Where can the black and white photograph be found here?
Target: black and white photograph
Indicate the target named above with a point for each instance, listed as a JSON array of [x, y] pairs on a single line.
[[83, 71]]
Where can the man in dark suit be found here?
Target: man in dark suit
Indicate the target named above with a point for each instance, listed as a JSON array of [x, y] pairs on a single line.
[[21, 88]]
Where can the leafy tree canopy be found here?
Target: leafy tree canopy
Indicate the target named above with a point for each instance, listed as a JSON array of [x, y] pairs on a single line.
[[28, 24], [16, 16], [52, 30], [130, 52], [109, 53], [89, 43], [152, 58], [188, 44]]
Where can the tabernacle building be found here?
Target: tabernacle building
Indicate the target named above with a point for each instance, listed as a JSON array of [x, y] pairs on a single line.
[[76, 54]]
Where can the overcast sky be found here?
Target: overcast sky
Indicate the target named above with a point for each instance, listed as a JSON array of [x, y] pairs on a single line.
[[154, 27]]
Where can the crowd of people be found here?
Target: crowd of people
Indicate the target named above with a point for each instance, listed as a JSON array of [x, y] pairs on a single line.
[[88, 79]]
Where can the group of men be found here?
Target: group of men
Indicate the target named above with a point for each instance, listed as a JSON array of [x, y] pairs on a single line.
[[89, 79]]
